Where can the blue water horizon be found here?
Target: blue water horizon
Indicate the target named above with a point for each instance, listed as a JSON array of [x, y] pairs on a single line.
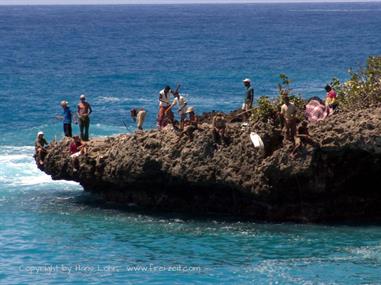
[[121, 56]]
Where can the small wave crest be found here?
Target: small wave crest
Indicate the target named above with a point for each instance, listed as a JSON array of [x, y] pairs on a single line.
[[18, 168]]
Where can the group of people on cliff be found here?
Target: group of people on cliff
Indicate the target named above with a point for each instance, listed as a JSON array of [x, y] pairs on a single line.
[[187, 122]]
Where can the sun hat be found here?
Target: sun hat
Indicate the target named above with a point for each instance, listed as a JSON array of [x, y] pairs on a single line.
[[82, 96], [247, 80], [40, 133], [189, 110]]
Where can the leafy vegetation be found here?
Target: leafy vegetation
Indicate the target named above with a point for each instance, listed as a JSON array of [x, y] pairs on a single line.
[[363, 89], [270, 109]]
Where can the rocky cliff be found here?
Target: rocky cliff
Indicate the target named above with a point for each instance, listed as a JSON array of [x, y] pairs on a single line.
[[340, 181]]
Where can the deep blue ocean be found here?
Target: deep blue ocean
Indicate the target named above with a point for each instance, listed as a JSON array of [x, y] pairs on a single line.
[[121, 57]]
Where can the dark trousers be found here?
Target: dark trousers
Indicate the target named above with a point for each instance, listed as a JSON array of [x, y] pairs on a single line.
[[84, 124], [67, 130]]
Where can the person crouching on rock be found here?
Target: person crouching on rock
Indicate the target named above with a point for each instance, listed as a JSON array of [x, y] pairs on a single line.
[[190, 124], [288, 112], [303, 138], [139, 117], [165, 114], [219, 127], [40, 150], [77, 148]]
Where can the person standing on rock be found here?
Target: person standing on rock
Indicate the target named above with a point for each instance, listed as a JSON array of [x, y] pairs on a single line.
[[83, 111], [288, 112], [66, 118], [182, 103], [164, 105], [249, 95]]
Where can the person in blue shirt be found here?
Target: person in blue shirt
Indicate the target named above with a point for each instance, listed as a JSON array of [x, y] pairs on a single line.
[[66, 118], [249, 95]]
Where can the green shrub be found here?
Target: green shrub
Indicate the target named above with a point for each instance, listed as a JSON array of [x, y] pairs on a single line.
[[265, 111], [363, 89], [269, 109]]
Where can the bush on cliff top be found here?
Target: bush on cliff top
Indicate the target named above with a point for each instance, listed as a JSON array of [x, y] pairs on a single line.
[[269, 109], [363, 89]]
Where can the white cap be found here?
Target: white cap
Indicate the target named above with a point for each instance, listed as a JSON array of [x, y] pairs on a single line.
[[64, 103], [247, 80], [190, 109], [40, 133], [82, 96]]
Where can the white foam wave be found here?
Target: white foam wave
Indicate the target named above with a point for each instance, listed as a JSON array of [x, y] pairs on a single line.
[[112, 99], [18, 168], [106, 99]]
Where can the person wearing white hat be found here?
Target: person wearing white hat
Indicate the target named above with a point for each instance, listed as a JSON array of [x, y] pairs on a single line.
[[40, 150], [83, 111], [192, 117], [249, 95], [191, 125]]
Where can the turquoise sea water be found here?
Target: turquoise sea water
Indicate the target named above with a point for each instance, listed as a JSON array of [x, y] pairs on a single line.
[[121, 56]]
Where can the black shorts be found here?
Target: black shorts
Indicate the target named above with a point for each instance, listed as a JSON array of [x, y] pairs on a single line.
[[67, 130]]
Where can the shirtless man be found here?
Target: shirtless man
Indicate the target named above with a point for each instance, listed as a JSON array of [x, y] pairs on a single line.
[[219, 126], [139, 117], [288, 113], [303, 138], [83, 112]]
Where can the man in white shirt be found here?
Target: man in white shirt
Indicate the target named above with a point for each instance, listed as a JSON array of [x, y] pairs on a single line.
[[288, 112], [182, 104], [164, 105]]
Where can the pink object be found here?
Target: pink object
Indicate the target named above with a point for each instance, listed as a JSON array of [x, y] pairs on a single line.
[[331, 94], [74, 147], [315, 111]]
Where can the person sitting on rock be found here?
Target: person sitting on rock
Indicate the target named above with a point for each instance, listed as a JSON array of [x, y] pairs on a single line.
[[139, 117], [303, 138], [288, 112], [219, 127], [190, 123], [40, 150], [77, 148]]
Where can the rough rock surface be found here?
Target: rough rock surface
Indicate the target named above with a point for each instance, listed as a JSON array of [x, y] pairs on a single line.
[[340, 181]]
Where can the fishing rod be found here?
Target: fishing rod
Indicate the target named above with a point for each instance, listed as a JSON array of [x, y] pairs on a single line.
[[124, 124]]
